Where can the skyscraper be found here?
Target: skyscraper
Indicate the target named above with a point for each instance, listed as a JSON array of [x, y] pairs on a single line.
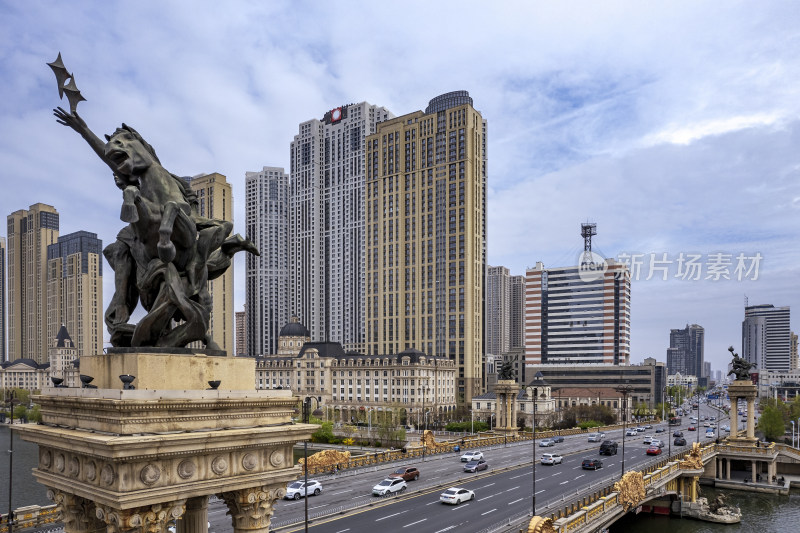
[[498, 310], [267, 285], [2, 299], [75, 290], [767, 337], [685, 354], [426, 236], [517, 315], [326, 248], [573, 318], [241, 333], [30, 232], [216, 201]]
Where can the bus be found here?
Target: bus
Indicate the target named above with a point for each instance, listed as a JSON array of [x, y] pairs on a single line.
[[674, 421]]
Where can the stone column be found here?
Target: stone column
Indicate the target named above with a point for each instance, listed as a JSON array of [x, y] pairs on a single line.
[[251, 509], [195, 519], [78, 514], [728, 469], [734, 418], [751, 417], [753, 470], [146, 519]]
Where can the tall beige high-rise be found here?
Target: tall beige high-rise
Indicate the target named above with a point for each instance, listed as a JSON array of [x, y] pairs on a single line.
[[30, 232], [216, 201], [426, 236], [75, 291], [3, 300]]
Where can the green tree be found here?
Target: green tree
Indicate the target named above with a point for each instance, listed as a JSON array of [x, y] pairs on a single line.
[[771, 423], [20, 411], [324, 434]]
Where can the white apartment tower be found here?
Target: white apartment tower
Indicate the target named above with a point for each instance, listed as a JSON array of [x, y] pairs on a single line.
[[267, 285], [498, 310], [767, 337], [326, 223]]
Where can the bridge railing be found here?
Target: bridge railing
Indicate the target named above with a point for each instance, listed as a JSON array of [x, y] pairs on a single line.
[[30, 516], [576, 514]]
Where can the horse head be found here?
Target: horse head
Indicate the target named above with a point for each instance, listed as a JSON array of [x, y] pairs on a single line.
[[129, 153]]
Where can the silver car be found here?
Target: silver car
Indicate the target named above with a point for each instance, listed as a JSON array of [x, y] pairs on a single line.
[[389, 486], [544, 443]]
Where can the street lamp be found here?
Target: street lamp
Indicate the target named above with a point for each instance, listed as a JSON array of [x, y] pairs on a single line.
[[306, 415], [792, 421], [10, 399], [369, 422], [533, 391], [624, 390]]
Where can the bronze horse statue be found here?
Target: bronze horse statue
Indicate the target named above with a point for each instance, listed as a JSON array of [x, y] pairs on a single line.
[[166, 254]]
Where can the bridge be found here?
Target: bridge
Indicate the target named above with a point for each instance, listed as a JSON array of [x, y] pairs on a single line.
[[673, 484]]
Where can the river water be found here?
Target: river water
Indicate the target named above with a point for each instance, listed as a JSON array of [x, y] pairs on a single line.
[[25, 489], [761, 513]]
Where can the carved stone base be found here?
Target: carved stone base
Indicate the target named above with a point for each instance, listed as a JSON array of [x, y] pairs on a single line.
[[147, 519], [78, 514]]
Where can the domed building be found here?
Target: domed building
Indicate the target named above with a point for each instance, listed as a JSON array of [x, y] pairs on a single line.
[[292, 337]]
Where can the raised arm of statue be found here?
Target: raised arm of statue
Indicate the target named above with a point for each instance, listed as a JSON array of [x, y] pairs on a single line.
[[74, 121]]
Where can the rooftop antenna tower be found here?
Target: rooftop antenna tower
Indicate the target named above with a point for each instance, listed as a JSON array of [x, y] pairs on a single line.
[[587, 230]]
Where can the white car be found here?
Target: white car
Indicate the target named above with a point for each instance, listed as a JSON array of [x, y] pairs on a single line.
[[547, 442], [474, 455], [656, 442], [647, 439], [596, 437], [389, 485], [295, 489], [456, 495], [551, 459], [631, 432]]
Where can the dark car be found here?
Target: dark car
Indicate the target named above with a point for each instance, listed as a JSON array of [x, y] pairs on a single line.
[[660, 430], [591, 464], [474, 466], [677, 434], [408, 473], [609, 447], [679, 441], [557, 438]]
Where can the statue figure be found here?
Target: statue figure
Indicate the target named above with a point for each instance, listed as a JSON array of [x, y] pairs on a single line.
[[507, 371], [741, 367], [167, 253]]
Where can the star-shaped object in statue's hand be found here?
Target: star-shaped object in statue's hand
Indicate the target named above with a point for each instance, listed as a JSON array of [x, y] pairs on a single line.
[[73, 94], [61, 74]]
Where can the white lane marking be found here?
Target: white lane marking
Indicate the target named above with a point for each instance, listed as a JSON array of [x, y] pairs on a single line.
[[564, 482], [391, 515], [445, 529], [318, 506], [414, 523], [540, 491], [580, 476], [487, 512], [515, 477], [343, 530], [342, 492], [457, 507], [435, 501], [489, 485], [515, 501], [557, 473], [512, 488]]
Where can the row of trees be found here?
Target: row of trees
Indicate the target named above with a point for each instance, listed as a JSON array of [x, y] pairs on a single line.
[[23, 409], [776, 418]]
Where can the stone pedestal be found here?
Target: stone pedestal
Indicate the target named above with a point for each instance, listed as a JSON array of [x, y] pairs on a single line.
[[743, 389], [119, 461], [506, 407]]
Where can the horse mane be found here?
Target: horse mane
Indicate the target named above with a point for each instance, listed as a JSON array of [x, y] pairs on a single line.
[[188, 193]]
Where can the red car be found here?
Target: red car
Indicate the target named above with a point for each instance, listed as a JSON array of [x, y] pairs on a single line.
[[692, 428], [653, 450]]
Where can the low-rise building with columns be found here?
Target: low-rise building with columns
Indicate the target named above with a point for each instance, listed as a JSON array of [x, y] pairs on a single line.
[[349, 385]]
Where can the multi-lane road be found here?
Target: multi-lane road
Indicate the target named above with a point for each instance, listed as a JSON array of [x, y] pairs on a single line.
[[502, 492]]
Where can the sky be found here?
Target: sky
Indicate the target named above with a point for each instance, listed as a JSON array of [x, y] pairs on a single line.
[[673, 126]]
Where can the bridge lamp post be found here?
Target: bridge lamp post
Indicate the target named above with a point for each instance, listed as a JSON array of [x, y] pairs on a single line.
[[792, 421], [306, 415], [624, 390], [533, 392], [11, 401]]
